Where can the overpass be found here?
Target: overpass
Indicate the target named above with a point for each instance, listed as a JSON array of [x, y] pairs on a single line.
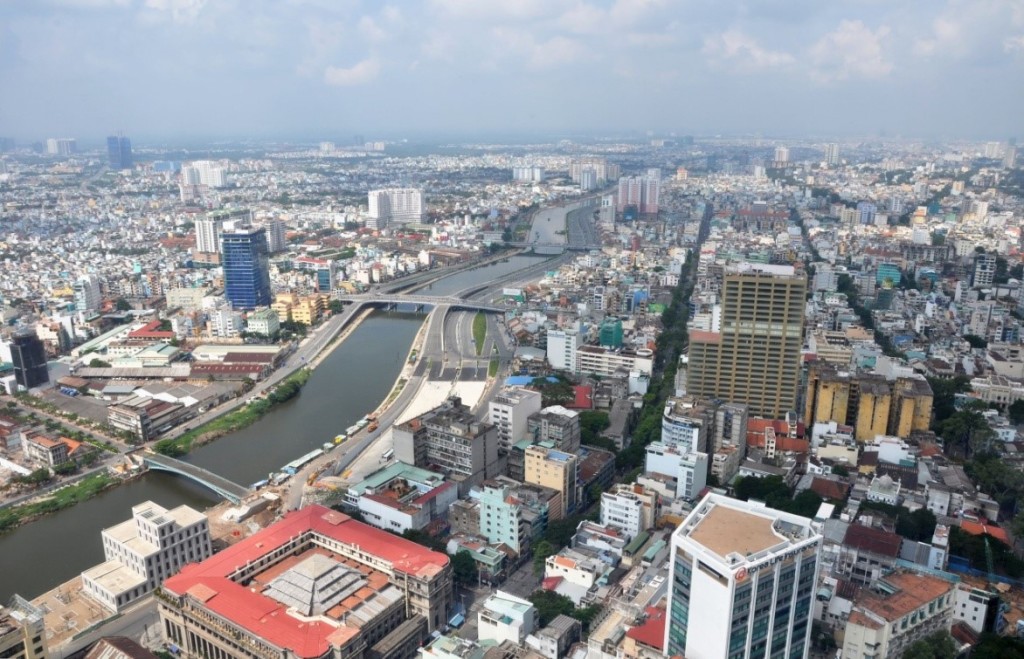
[[231, 491], [422, 300]]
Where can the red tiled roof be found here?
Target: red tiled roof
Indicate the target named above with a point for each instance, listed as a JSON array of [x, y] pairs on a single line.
[[700, 336], [150, 331], [208, 581], [583, 398], [977, 528], [830, 489], [652, 632], [550, 583], [873, 540]]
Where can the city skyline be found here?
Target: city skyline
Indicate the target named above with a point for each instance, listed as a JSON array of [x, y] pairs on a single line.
[[307, 68]]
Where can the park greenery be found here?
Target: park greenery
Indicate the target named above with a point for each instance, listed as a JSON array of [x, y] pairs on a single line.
[[238, 419], [776, 494], [479, 331]]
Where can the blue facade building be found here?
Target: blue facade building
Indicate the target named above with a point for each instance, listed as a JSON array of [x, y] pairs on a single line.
[[245, 257], [119, 152]]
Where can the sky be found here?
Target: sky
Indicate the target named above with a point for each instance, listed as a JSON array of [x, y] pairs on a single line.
[[331, 69]]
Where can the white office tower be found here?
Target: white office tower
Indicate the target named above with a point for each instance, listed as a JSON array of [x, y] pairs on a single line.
[[208, 232], [588, 180], [561, 352], [394, 205], [831, 153], [781, 154], [742, 579], [528, 174], [88, 295]]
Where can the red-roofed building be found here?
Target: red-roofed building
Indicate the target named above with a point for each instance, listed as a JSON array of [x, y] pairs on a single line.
[[646, 640], [315, 584], [151, 331], [788, 436], [977, 528]]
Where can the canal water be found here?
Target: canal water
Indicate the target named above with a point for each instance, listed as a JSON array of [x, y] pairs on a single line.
[[351, 382]]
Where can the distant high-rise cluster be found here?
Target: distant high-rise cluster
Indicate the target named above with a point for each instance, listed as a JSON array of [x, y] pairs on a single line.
[[204, 172], [532, 174], [61, 146], [831, 154], [641, 192], [119, 152], [394, 206], [781, 155], [604, 171]]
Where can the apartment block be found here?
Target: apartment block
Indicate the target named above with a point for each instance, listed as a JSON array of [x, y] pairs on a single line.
[[509, 412], [557, 425], [631, 508], [448, 439], [557, 470]]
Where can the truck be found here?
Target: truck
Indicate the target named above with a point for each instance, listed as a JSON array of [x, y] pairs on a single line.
[[373, 426]]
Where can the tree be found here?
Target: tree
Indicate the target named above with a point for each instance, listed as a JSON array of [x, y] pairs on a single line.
[[966, 432], [464, 567], [541, 551], [939, 645], [335, 306], [992, 646], [121, 304], [550, 605], [96, 362], [1016, 411], [976, 341]]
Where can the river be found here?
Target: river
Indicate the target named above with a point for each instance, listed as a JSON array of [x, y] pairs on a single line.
[[351, 382]]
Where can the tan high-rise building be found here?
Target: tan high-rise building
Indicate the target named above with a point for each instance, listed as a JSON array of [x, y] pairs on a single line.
[[755, 358], [557, 470], [911, 406], [828, 394], [873, 405]]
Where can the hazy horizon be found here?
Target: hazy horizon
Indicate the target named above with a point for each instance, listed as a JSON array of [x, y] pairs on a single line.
[[302, 70]]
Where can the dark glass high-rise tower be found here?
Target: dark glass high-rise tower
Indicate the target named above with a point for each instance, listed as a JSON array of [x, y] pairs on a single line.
[[29, 357], [245, 258], [119, 152]]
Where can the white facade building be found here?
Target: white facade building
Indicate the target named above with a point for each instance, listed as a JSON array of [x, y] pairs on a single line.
[[631, 508], [509, 411], [742, 582], [561, 351], [505, 617], [688, 468], [143, 551], [208, 233], [394, 205]]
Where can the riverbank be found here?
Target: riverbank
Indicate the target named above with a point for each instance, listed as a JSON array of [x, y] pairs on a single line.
[[65, 497], [235, 420]]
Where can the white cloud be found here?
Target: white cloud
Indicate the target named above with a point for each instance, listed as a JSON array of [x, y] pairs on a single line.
[[357, 74], [852, 50], [1014, 44], [549, 53], [371, 31], [181, 11], [741, 52]]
